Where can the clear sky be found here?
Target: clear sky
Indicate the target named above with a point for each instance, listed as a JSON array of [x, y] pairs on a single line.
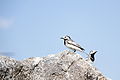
[[30, 28]]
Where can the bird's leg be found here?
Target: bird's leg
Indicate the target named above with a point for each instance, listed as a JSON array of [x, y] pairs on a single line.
[[74, 50]]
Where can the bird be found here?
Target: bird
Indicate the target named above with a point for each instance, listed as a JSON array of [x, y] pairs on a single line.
[[91, 56], [69, 43]]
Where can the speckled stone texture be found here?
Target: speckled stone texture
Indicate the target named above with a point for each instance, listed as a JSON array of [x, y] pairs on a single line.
[[62, 66]]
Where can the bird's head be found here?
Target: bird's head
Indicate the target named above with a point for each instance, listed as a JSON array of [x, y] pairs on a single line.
[[66, 37], [93, 51], [91, 55]]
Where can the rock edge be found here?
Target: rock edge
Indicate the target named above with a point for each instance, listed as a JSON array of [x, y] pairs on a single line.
[[62, 66]]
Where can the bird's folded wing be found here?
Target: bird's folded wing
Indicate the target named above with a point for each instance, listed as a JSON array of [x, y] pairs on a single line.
[[73, 43]]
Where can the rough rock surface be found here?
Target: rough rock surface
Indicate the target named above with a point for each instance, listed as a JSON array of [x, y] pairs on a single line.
[[62, 66]]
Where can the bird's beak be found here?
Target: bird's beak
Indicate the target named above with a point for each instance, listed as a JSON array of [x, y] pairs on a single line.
[[96, 51], [61, 38]]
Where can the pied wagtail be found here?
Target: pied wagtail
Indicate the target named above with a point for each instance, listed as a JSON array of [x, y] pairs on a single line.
[[91, 56], [69, 43]]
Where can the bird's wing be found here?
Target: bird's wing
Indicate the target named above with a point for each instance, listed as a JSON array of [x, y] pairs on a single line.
[[73, 43]]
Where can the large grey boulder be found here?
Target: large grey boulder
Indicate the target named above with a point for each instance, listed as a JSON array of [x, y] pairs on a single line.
[[62, 66]]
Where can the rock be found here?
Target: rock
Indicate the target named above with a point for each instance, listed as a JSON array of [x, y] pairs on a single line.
[[62, 66]]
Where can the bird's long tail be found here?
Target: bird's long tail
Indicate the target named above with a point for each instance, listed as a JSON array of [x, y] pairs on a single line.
[[82, 48]]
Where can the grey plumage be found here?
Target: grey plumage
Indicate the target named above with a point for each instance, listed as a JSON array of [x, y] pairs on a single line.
[[69, 43]]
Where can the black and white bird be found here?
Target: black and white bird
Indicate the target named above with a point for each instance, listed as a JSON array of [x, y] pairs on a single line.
[[69, 43], [91, 56]]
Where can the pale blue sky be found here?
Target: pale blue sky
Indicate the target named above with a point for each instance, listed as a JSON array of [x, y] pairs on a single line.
[[30, 28]]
